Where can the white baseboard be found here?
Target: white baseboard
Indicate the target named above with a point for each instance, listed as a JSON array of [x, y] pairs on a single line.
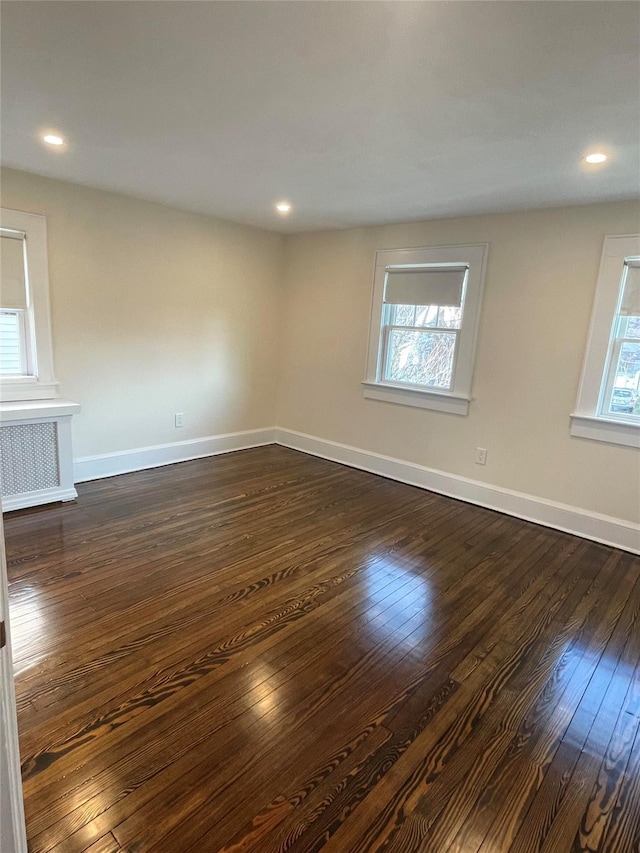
[[570, 519], [36, 498], [127, 461]]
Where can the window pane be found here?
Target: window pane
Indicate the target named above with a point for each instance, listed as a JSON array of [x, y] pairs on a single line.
[[426, 315], [420, 358], [12, 273], [10, 356], [624, 397], [449, 317], [632, 328], [403, 315]]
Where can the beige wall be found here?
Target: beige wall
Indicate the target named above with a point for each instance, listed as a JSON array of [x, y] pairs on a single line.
[[155, 311], [539, 290]]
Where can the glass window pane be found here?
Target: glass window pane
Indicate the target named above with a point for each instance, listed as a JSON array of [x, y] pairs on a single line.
[[10, 345], [403, 315], [420, 358], [632, 328], [12, 273], [449, 317], [624, 396], [426, 315]]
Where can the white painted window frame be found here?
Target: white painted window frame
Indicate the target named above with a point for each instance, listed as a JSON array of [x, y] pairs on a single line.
[[455, 400], [588, 420], [39, 383]]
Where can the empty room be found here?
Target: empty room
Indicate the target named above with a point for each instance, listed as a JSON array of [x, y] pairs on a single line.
[[320, 426]]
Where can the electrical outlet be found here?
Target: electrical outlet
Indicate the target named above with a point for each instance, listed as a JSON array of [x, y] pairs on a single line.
[[481, 455], [179, 419]]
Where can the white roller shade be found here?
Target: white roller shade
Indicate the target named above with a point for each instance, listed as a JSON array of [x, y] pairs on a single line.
[[425, 286], [630, 306], [13, 291]]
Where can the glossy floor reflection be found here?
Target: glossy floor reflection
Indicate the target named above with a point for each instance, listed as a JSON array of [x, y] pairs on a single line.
[[397, 592], [267, 652]]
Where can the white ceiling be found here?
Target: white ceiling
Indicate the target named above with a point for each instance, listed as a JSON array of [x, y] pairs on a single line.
[[357, 112]]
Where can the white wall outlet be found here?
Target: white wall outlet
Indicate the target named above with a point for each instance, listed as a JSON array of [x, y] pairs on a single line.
[[179, 419], [481, 455]]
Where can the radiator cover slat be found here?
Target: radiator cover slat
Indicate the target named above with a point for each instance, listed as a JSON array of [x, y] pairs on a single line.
[[29, 457]]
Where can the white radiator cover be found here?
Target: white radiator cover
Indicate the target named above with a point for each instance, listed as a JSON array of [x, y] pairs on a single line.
[[36, 460]]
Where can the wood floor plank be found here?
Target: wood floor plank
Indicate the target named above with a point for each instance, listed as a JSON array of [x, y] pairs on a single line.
[[268, 652], [386, 816], [307, 620], [272, 665], [556, 805], [106, 844], [451, 643], [222, 656], [623, 829], [506, 797], [262, 694], [512, 783]]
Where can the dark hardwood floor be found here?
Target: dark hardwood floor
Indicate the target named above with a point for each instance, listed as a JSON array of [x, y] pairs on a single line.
[[267, 652]]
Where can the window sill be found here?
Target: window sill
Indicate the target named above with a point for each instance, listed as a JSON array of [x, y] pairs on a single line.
[[435, 400], [605, 429]]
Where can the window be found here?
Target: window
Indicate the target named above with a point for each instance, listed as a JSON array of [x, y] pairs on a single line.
[[424, 323], [14, 359], [13, 343], [608, 406], [26, 364]]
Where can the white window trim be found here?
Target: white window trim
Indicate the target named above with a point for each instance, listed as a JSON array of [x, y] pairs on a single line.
[[587, 420], [456, 401], [42, 384]]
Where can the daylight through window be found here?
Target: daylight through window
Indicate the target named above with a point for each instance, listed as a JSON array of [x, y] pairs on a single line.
[[26, 358], [423, 326], [608, 406], [622, 380], [14, 359], [421, 340]]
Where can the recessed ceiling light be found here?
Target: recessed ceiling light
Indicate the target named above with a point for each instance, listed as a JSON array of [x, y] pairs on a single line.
[[596, 157], [53, 139], [283, 207]]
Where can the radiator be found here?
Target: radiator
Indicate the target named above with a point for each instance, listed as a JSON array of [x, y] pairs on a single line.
[[36, 460]]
